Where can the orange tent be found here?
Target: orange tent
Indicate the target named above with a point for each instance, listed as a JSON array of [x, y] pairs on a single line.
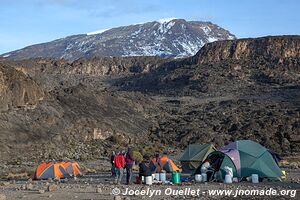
[[71, 167], [51, 169], [165, 163]]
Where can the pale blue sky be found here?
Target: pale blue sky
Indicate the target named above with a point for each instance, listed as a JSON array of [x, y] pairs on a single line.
[[26, 22]]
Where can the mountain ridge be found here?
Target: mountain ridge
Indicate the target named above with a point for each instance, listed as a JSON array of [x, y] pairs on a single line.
[[173, 38]]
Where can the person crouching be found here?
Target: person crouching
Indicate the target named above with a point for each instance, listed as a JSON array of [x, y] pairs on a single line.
[[144, 170]]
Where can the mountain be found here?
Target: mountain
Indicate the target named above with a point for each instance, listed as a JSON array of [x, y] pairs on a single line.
[[229, 90], [165, 38]]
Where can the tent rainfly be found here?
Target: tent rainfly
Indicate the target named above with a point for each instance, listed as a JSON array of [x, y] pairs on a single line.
[[165, 164], [245, 157], [194, 155]]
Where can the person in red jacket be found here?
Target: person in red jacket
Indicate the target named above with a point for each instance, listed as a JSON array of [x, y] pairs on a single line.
[[120, 165]]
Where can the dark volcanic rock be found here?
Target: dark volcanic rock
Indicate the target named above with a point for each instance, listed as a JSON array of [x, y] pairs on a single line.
[[226, 66], [271, 48], [247, 88]]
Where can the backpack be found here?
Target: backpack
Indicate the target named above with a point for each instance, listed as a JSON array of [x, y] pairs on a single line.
[[120, 161]]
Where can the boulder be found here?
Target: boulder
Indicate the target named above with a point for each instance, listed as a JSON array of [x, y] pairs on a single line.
[[2, 197], [99, 190], [52, 188], [41, 191], [117, 198], [4, 183], [29, 186]]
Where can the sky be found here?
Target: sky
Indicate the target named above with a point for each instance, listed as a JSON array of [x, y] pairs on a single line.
[[27, 22]]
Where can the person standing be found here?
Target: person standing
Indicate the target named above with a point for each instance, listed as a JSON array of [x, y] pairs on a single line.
[[119, 165], [112, 161], [155, 164], [129, 164]]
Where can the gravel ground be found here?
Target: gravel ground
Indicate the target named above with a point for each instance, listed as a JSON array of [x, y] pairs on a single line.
[[100, 186]]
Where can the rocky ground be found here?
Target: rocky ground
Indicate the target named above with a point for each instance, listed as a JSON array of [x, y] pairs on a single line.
[[99, 185]]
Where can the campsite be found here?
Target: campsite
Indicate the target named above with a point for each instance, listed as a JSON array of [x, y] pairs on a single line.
[[67, 180], [130, 99]]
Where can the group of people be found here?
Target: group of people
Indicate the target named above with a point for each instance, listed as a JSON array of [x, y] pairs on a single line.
[[122, 160]]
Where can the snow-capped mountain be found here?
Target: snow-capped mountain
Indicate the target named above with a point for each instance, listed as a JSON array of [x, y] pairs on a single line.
[[166, 38]]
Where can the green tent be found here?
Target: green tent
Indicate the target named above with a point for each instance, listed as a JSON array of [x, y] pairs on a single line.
[[194, 155], [245, 157]]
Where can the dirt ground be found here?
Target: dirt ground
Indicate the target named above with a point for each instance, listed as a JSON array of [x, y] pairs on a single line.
[[100, 186]]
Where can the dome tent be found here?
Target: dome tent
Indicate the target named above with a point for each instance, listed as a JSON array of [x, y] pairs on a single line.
[[194, 155], [50, 170], [166, 164], [53, 169], [245, 157], [71, 167]]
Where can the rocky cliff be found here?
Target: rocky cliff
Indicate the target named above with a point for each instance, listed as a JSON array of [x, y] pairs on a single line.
[[272, 48], [93, 67], [227, 65], [17, 90]]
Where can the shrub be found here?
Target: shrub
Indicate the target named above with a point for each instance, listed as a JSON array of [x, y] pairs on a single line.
[[116, 139], [137, 156]]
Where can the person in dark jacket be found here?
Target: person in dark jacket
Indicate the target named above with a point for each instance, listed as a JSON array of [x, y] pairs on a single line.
[[144, 169], [112, 162], [129, 164]]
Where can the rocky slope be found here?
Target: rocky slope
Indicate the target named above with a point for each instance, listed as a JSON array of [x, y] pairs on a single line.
[[247, 88], [272, 48], [226, 66], [165, 38], [17, 90]]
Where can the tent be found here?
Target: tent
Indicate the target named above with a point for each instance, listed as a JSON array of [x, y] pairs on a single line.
[[51, 170], [276, 156], [71, 167], [194, 155], [245, 157], [166, 164]]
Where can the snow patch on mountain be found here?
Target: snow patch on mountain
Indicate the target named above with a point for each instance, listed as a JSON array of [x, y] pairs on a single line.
[[6, 55], [165, 27], [206, 29], [212, 39], [231, 37], [98, 31], [188, 47], [165, 20]]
